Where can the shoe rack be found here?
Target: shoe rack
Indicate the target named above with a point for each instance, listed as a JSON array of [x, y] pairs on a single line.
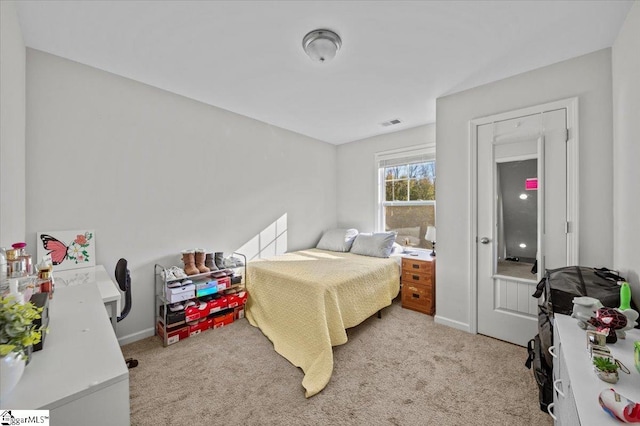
[[188, 306]]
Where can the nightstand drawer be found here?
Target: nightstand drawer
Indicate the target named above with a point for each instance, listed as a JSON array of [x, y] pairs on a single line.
[[419, 283], [416, 277], [417, 297], [415, 265]]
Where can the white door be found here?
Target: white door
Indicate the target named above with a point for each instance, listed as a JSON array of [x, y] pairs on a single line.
[[522, 218]]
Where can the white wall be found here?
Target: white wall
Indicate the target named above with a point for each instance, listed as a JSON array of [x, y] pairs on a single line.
[[589, 78], [357, 174], [12, 127], [626, 149], [154, 173]]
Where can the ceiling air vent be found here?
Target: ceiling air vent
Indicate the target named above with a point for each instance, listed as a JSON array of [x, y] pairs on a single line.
[[391, 122]]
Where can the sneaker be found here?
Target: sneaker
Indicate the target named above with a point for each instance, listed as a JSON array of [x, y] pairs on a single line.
[[176, 307], [179, 283], [167, 275], [178, 273], [619, 407], [233, 262]]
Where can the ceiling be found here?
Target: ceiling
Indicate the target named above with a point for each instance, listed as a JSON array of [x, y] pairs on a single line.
[[397, 57]]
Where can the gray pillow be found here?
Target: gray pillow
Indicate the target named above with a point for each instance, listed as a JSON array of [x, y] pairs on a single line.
[[376, 244], [337, 240]]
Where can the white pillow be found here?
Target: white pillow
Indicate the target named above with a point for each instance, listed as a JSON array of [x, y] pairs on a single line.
[[396, 248], [337, 240], [375, 245]]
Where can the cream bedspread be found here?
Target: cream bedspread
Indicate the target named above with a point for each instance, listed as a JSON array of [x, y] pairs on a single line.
[[303, 302]]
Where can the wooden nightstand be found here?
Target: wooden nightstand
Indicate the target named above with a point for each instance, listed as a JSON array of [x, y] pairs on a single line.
[[419, 282]]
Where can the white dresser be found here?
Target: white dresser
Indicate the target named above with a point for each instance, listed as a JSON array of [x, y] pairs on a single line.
[[80, 374], [576, 386]]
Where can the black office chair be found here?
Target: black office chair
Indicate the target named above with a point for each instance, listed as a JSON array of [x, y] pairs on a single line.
[[123, 277]]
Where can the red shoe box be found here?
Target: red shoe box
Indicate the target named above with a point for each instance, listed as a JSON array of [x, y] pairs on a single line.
[[224, 283], [202, 325], [238, 312], [174, 335], [222, 320], [218, 304], [193, 313], [237, 299]]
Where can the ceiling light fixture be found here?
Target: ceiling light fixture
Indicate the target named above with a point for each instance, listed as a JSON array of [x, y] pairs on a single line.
[[321, 45]]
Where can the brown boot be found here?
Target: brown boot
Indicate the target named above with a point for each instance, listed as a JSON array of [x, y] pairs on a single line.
[[200, 255], [188, 257]]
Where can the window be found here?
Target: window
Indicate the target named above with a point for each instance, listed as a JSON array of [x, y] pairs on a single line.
[[407, 194]]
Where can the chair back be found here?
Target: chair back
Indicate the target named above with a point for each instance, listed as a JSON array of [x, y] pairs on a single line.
[[123, 277]]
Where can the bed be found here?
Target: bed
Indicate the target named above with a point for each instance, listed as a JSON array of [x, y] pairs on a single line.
[[304, 301]]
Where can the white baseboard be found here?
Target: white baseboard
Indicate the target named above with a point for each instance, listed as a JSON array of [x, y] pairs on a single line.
[[130, 338], [452, 323]]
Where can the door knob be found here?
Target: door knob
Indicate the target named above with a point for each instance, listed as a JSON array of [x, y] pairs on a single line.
[[484, 240]]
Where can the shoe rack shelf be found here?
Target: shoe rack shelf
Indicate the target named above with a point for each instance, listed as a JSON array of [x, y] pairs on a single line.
[[173, 326]]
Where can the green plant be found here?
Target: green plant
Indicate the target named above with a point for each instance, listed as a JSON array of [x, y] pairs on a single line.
[[605, 364], [17, 330]]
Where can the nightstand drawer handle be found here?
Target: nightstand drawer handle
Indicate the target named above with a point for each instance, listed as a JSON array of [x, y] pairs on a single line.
[[416, 266], [555, 386], [550, 411], [415, 296], [416, 277]]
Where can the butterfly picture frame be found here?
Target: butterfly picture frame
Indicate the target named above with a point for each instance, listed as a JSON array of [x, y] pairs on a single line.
[[68, 249]]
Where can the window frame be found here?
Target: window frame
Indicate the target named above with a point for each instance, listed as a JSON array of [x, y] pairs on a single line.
[[427, 151]]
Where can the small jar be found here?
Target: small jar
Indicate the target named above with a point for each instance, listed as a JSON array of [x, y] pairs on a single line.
[[16, 267], [45, 282], [20, 247], [22, 254]]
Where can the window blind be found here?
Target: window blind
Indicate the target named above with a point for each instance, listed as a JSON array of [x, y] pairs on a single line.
[[399, 158]]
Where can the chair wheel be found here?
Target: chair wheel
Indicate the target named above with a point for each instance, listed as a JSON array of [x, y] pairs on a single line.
[[131, 363]]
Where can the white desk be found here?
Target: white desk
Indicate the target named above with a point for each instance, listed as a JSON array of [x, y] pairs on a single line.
[[579, 376], [109, 290], [80, 374]]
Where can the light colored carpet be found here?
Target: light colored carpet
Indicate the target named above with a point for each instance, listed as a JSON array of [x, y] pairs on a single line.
[[403, 369], [516, 269]]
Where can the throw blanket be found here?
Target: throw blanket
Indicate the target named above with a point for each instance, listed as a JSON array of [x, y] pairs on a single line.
[[303, 302]]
